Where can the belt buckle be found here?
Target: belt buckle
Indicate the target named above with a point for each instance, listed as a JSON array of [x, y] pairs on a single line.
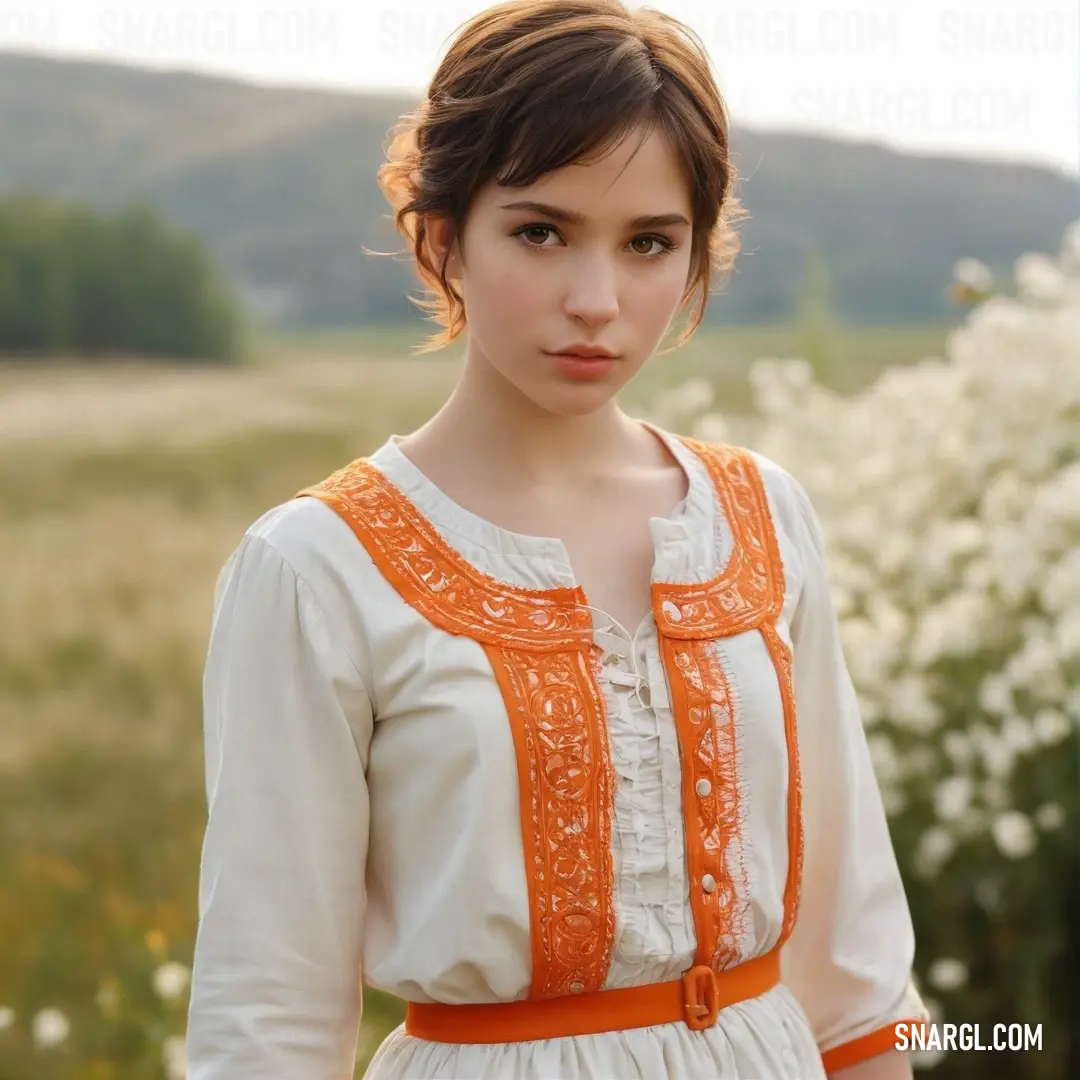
[[701, 997]]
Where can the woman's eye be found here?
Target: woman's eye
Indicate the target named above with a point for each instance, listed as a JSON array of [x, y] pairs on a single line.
[[647, 240], [533, 232]]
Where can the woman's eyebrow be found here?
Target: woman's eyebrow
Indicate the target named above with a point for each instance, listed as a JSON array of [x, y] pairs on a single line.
[[572, 217]]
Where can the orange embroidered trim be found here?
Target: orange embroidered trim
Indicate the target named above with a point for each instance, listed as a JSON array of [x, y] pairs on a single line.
[[540, 645], [747, 594], [556, 712], [705, 720], [420, 564], [782, 659], [747, 589]]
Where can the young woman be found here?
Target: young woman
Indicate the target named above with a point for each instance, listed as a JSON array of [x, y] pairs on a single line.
[[537, 717]]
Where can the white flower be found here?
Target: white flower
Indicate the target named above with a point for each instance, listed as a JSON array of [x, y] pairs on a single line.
[[995, 695], [952, 628], [174, 1053], [50, 1028], [7, 1017], [1005, 499], [171, 980], [959, 748], [893, 553], [952, 797], [889, 620], [1051, 726], [909, 705], [978, 575], [1018, 734], [1067, 634], [973, 273], [933, 850], [962, 537], [1050, 816], [1038, 279], [947, 974], [997, 755], [1014, 834], [1035, 664]]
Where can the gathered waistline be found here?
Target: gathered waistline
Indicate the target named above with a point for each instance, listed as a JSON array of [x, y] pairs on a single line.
[[695, 999]]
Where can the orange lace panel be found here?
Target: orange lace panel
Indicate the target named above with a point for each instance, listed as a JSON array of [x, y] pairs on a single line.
[[750, 587], [449, 590], [556, 711], [540, 645], [747, 594], [705, 719]]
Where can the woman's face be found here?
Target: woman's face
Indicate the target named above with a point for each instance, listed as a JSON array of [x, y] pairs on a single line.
[[581, 267]]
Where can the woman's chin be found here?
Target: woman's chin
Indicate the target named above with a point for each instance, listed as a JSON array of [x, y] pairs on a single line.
[[575, 401]]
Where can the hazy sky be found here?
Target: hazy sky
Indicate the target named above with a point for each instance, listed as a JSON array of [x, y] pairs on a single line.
[[984, 78]]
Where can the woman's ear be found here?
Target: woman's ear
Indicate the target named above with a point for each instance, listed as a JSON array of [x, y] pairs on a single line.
[[442, 237]]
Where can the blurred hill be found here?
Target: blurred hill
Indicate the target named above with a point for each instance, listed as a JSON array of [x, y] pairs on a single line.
[[280, 185]]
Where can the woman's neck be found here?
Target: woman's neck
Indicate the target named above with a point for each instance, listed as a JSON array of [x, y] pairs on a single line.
[[488, 426]]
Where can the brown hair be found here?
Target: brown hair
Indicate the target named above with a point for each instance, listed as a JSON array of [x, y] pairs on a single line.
[[529, 86]]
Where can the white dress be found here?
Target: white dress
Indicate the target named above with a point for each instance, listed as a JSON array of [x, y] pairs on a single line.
[[365, 822]]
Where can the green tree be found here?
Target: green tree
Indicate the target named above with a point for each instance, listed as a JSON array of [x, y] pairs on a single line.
[[77, 282], [33, 293]]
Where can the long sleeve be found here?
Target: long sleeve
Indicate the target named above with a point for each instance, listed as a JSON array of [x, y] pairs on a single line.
[[849, 958], [276, 986]]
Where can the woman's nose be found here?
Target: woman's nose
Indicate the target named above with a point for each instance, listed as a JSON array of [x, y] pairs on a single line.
[[592, 294]]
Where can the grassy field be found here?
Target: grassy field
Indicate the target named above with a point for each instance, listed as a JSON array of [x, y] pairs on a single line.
[[122, 490]]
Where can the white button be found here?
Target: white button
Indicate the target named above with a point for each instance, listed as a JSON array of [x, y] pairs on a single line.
[[703, 787], [708, 883]]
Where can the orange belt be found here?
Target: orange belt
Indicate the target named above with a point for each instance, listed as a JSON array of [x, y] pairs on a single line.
[[696, 998]]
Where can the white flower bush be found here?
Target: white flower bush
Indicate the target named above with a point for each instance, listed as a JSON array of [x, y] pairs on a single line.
[[949, 494]]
